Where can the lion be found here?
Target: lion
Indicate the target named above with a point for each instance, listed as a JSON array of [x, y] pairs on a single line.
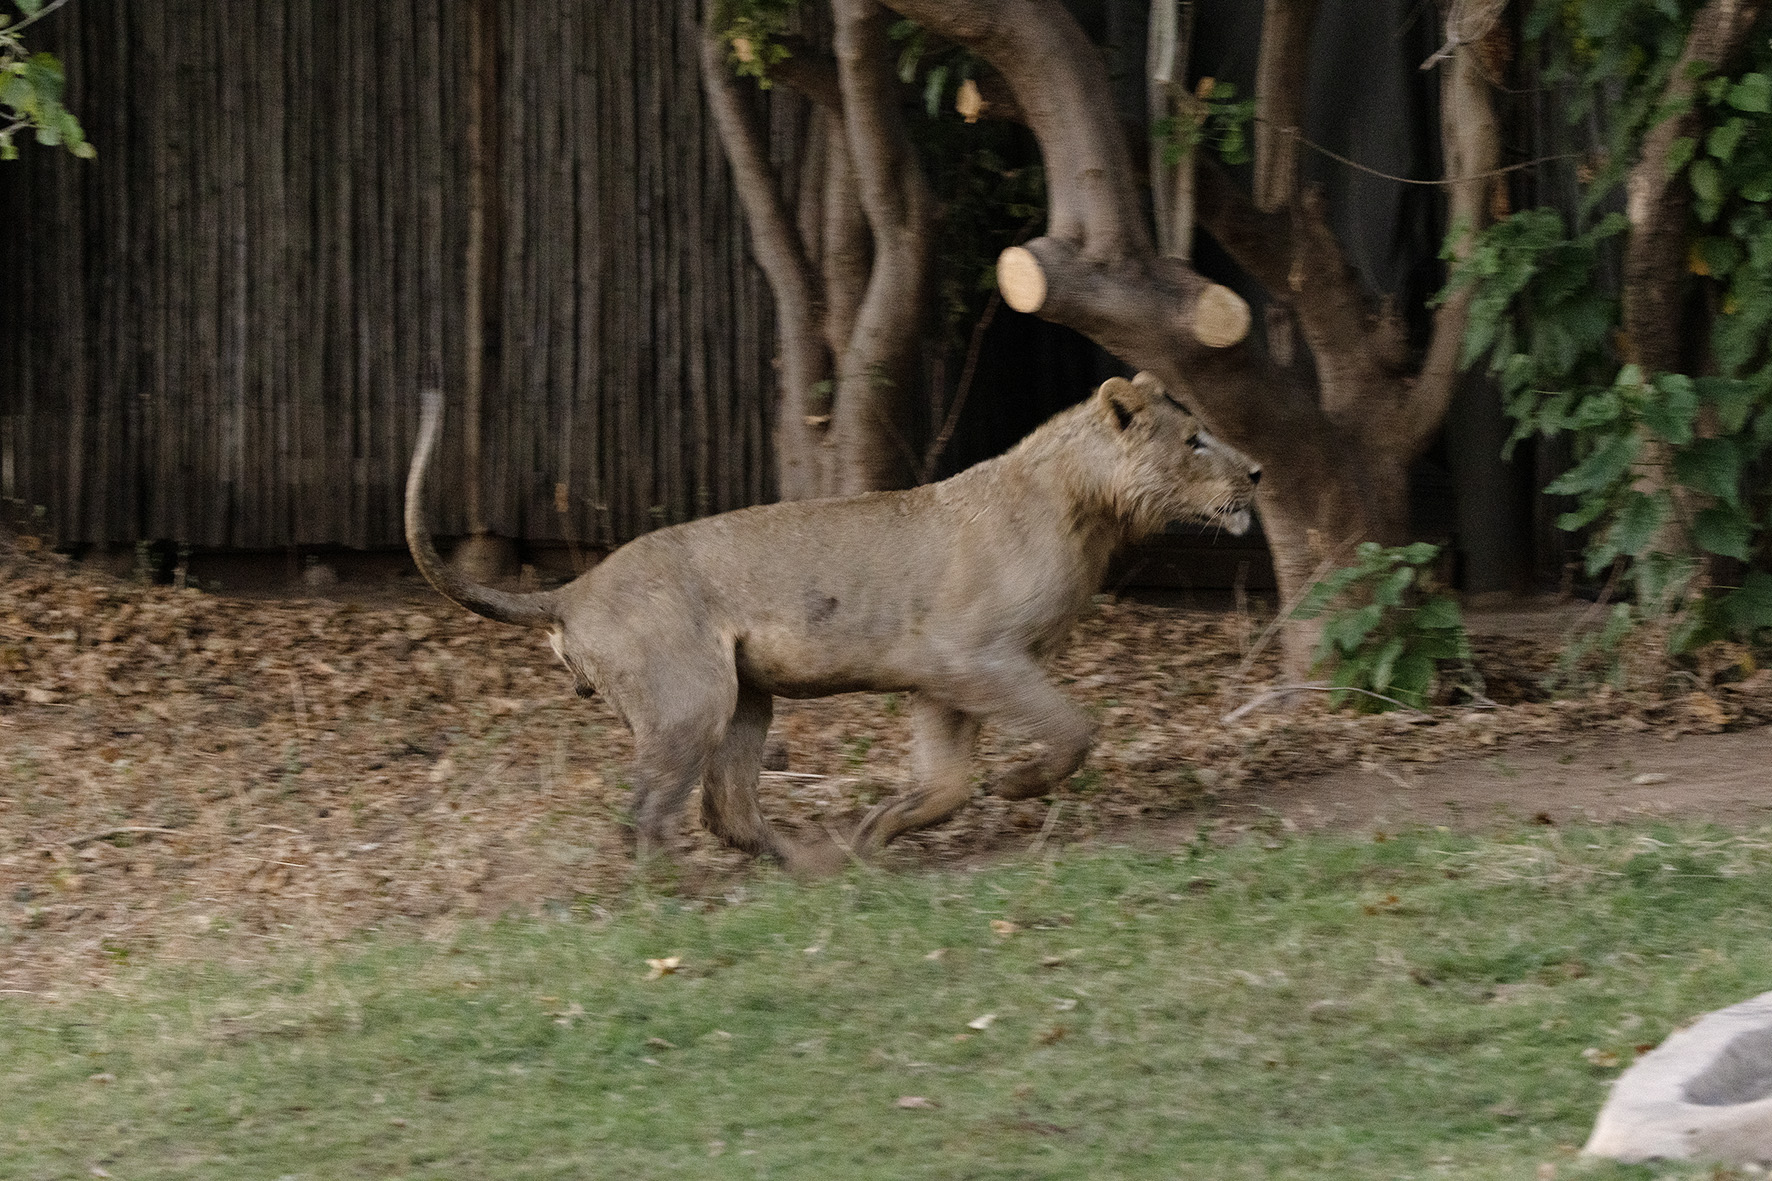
[[953, 592]]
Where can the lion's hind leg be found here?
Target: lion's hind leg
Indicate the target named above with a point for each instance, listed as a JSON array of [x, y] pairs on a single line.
[[942, 739], [729, 784], [678, 729]]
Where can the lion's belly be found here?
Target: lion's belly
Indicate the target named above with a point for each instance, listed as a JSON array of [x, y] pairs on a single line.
[[798, 662]]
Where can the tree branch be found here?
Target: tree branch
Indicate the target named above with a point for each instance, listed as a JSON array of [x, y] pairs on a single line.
[[1470, 138], [1171, 31], [1279, 99], [845, 255], [779, 253], [1060, 84], [1261, 243], [899, 208]]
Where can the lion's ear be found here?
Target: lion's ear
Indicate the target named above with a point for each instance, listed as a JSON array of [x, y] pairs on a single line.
[[1150, 384], [1124, 398], [1153, 389]]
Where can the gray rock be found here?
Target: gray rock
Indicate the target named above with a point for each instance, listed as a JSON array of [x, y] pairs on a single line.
[[1703, 1094]]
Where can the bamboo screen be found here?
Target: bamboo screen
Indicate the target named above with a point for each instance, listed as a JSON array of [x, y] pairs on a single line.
[[216, 332]]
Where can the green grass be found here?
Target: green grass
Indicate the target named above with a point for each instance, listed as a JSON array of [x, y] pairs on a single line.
[[1330, 1008]]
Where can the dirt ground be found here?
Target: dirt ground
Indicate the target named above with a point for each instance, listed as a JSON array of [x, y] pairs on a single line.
[[179, 768]]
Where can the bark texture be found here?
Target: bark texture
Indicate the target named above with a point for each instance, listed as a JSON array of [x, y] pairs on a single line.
[[847, 258]]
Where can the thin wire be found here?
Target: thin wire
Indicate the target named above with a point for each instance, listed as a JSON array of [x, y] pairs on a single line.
[[1412, 180]]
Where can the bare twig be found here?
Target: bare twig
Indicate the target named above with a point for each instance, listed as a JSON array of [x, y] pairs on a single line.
[[1314, 686], [1046, 829], [847, 849], [12, 31], [120, 830], [1284, 615], [301, 705], [279, 827], [961, 389]]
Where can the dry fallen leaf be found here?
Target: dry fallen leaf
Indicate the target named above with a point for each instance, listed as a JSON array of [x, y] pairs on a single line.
[[1704, 707], [984, 1022], [915, 1102], [1604, 1059], [1003, 928], [937, 954], [1651, 778], [663, 967]]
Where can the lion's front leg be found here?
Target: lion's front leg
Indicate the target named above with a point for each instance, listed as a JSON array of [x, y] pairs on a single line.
[[942, 739], [1033, 709]]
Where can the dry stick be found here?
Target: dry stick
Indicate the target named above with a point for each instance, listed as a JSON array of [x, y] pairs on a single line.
[[1316, 686], [1284, 614], [961, 388], [120, 830], [15, 30], [1046, 829], [301, 706]]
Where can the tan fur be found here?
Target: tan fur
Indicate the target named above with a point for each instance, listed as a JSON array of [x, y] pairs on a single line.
[[954, 592]]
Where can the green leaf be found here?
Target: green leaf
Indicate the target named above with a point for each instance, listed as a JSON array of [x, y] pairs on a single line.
[[1721, 255], [1670, 408], [1602, 467], [44, 72], [1638, 521], [1581, 517], [1713, 466], [1410, 682], [1420, 552], [1734, 399], [17, 93], [1748, 608], [1680, 153], [1349, 630], [1722, 141], [1384, 662], [1389, 592], [1596, 410], [1724, 530], [1752, 93], [1707, 182], [1437, 613], [29, 7], [933, 89]]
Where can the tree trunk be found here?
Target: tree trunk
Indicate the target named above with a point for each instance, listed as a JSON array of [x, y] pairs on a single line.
[[1335, 465], [849, 265], [1656, 284]]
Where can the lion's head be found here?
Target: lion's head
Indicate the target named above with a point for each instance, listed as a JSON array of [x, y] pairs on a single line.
[[1169, 468]]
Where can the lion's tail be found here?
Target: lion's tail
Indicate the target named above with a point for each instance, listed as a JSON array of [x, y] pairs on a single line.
[[533, 610]]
